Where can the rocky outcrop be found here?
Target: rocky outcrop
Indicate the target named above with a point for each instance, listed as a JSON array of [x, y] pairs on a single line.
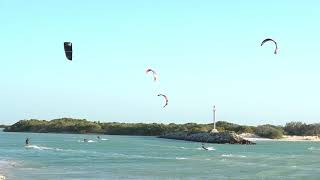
[[219, 138]]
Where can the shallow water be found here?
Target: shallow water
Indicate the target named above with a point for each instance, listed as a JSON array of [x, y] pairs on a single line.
[[66, 156]]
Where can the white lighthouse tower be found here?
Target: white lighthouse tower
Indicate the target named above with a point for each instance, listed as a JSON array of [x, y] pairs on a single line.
[[214, 130]]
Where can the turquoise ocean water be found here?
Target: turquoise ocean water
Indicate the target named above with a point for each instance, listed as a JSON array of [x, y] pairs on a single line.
[[65, 156]]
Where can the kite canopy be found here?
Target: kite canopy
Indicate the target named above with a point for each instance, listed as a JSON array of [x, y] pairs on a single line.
[[154, 73], [166, 99], [266, 40], [68, 50]]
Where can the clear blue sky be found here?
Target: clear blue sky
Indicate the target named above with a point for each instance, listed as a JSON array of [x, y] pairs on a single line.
[[206, 52]]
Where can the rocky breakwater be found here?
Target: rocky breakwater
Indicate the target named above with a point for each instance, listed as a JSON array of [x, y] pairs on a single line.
[[219, 138]]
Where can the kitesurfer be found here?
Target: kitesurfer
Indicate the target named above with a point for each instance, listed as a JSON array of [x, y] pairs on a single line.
[[27, 141], [203, 147]]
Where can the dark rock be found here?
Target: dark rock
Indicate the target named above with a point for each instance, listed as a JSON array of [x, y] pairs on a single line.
[[219, 138]]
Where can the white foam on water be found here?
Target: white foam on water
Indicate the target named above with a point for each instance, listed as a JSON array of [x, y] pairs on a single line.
[[102, 139], [38, 147], [232, 155], [5, 163], [42, 148], [313, 149], [226, 155], [89, 141], [71, 150], [195, 159], [181, 158], [133, 156]]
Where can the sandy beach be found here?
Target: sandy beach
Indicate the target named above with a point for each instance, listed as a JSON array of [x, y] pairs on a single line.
[[253, 137], [2, 177], [299, 138]]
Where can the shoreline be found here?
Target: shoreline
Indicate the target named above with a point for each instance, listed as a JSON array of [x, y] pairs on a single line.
[[2, 165], [246, 136], [285, 138], [299, 138], [6, 167], [2, 177]]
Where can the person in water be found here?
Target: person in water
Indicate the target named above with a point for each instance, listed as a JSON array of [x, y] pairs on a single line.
[[85, 140], [27, 141], [203, 147], [98, 137]]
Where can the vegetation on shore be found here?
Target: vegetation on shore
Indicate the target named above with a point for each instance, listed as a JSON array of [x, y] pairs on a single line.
[[302, 129], [69, 125], [3, 126]]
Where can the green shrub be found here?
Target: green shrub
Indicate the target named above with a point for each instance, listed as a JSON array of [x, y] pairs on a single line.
[[268, 131]]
